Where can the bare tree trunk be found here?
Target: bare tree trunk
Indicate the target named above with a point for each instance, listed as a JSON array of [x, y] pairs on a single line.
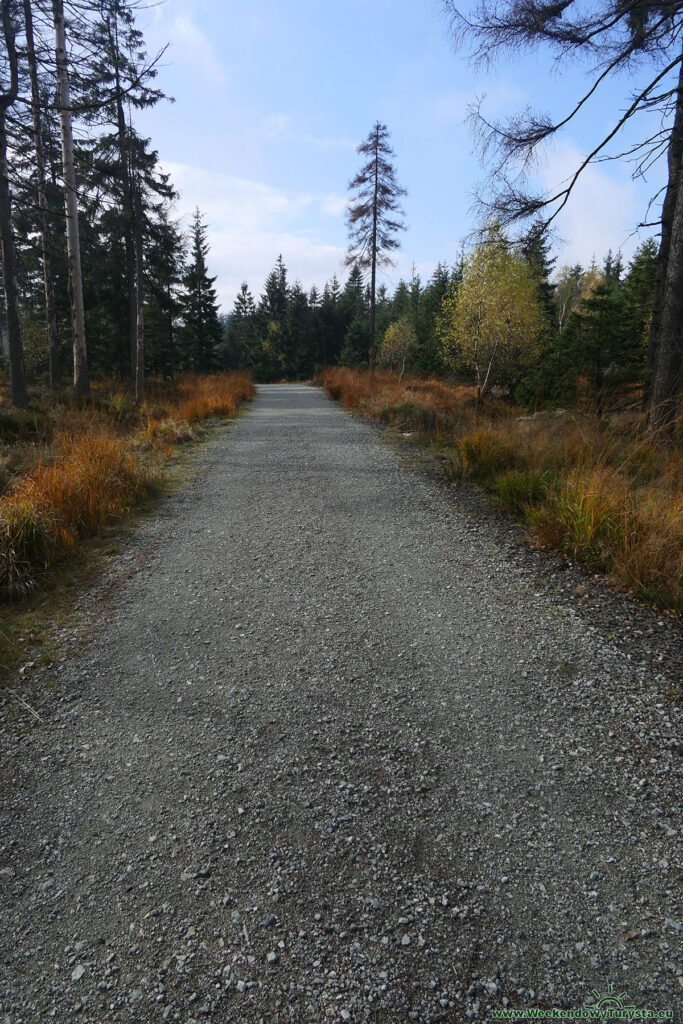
[[18, 395], [139, 302], [667, 368], [81, 380], [45, 234], [666, 333], [127, 197], [675, 162], [373, 272], [171, 342]]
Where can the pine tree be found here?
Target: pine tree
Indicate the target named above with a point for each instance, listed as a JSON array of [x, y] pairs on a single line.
[[613, 268], [239, 348], [164, 260], [599, 338], [273, 305], [639, 287], [299, 356], [331, 326], [315, 319], [383, 310], [201, 326], [429, 355], [534, 246], [374, 215], [353, 316], [400, 306], [119, 72]]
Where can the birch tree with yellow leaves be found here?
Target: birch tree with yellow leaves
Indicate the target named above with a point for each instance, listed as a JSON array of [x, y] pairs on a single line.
[[492, 322]]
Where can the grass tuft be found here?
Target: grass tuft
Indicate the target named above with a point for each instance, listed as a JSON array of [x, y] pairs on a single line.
[[85, 466], [595, 488], [519, 490]]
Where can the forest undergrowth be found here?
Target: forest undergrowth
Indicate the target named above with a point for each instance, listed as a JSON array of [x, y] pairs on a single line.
[[594, 488]]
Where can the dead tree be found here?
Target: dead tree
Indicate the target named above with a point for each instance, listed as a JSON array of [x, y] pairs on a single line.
[[374, 215]]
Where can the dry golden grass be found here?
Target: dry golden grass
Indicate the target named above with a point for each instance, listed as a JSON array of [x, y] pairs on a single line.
[[594, 488], [71, 470]]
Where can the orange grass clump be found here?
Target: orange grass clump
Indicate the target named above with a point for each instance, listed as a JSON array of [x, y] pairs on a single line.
[[77, 468], [204, 397], [595, 488]]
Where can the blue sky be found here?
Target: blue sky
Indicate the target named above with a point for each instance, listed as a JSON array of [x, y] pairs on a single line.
[[272, 97]]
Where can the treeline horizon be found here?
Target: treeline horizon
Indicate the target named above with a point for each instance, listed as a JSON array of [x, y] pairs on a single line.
[[591, 335], [95, 263]]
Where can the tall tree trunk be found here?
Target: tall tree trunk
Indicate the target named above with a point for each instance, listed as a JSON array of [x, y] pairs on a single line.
[[127, 196], [81, 380], [666, 333], [139, 302], [45, 233], [171, 341], [373, 272], [18, 395], [667, 369], [675, 162]]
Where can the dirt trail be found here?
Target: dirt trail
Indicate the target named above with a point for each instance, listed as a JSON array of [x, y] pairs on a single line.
[[330, 755]]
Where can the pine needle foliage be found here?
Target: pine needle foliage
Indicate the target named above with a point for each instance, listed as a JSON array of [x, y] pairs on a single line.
[[374, 214]]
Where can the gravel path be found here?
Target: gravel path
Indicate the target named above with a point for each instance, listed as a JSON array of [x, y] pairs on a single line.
[[328, 754]]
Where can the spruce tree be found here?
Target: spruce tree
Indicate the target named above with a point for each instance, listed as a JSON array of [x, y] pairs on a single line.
[[374, 215], [331, 327], [165, 262], [599, 349], [298, 341], [120, 73], [238, 350], [273, 303], [639, 287], [429, 356], [534, 246], [202, 328]]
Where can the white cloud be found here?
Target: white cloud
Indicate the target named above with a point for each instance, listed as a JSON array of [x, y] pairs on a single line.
[[250, 224], [280, 127], [453, 107], [276, 125], [190, 46], [601, 212], [326, 144]]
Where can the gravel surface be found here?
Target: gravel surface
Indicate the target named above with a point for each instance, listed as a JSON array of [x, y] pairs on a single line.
[[330, 752]]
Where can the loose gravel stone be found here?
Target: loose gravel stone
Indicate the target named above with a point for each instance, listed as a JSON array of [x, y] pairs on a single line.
[[334, 745]]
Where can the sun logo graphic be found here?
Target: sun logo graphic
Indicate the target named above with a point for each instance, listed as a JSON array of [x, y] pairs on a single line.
[[614, 1002]]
